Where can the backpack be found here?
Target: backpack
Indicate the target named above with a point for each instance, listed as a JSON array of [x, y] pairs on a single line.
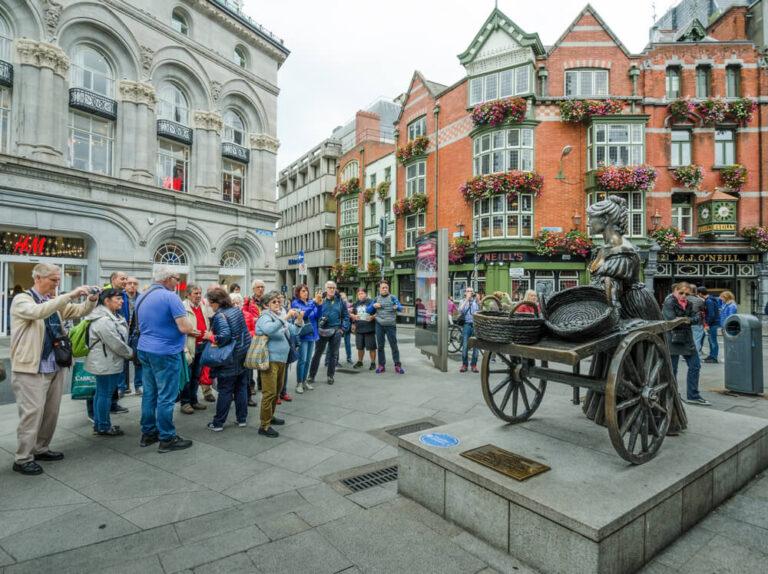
[[80, 337]]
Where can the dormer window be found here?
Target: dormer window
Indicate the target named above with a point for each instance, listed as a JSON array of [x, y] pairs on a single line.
[[586, 83], [503, 84]]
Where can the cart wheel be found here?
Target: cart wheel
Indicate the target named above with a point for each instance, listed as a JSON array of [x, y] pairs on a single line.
[[508, 391], [638, 396]]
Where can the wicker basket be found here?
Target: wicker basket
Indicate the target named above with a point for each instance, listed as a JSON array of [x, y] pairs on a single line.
[[580, 313], [503, 327]]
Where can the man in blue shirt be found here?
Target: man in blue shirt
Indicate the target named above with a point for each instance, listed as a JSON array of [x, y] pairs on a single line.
[[164, 327], [467, 310]]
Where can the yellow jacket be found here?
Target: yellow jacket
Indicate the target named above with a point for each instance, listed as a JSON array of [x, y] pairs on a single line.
[[28, 326]]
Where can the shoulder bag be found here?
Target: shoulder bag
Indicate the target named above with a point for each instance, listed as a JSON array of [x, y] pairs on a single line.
[[215, 356], [62, 346]]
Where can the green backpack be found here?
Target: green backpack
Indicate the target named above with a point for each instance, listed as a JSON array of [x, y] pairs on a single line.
[[79, 335]]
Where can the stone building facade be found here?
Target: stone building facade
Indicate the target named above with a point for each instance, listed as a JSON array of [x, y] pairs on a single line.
[[134, 133]]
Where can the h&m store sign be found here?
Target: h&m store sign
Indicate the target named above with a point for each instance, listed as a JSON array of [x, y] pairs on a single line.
[[34, 245]]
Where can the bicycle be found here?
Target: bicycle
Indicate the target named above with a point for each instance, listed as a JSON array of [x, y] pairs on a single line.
[[454, 338]]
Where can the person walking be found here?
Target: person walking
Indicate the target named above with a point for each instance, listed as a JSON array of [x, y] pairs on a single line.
[[712, 318], [131, 294], [227, 325], [278, 331], [108, 350], [163, 327], [680, 341], [729, 306], [194, 349], [310, 312], [333, 320], [348, 332], [467, 310], [37, 377], [365, 329], [386, 306]]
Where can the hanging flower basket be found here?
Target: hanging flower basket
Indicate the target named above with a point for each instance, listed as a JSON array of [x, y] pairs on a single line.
[[352, 185], [414, 148], [343, 272], [742, 110], [613, 178], [681, 108], [758, 237], [374, 267], [382, 190], [368, 194], [575, 111], [578, 243], [712, 111], [688, 175], [734, 177], [410, 205], [458, 250], [668, 238], [498, 112], [549, 242], [508, 183]]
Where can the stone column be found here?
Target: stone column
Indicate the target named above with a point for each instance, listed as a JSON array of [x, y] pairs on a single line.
[[138, 140], [41, 84], [262, 172], [206, 156]]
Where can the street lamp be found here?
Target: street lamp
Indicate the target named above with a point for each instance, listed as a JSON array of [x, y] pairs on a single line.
[[474, 266], [460, 227], [566, 150], [656, 219], [576, 219]]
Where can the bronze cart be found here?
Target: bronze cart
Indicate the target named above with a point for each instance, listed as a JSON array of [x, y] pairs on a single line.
[[630, 374]]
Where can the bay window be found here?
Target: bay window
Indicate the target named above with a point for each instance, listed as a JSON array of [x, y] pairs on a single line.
[[503, 84], [586, 83], [352, 169], [680, 150], [636, 205], [348, 250], [416, 178], [615, 144], [503, 150], [502, 216], [413, 224], [725, 147], [172, 165], [233, 182], [90, 143], [349, 211]]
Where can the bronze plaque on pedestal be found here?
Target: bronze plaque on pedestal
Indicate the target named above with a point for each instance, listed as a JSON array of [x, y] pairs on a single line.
[[505, 462]]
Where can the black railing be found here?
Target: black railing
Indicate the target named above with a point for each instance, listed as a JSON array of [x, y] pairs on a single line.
[[6, 74], [93, 103], [236, 152], [174, 131]]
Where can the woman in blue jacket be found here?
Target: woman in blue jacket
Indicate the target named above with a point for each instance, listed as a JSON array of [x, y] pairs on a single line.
[[310, 312]]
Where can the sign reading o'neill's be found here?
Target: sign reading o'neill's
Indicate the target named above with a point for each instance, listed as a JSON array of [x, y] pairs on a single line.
[[716, 214]]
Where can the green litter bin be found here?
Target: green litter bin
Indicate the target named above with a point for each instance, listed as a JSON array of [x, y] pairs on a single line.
[[743, 354]]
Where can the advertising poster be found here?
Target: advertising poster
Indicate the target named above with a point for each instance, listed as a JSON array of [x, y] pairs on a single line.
[[425, 301]]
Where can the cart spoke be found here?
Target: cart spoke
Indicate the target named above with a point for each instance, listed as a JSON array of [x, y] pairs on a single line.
[[655, 372], [525, 398], [506, 360], [633, 434], [644, 432], [504, 401], [651, 359], [497, 371], [514, 401], [628, 421], [633, 374], [501, 385], [659, 408], [628, 403], [533, 387], [661, 387], [654, 427]]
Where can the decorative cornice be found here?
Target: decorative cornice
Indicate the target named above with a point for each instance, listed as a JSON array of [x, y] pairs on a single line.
[[42, 55], [210, 121], [264, 142], [138, 93]]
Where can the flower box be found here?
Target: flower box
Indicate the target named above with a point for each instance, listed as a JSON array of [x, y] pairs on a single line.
[[458, 250], [352, 185], [498, 112], [667, 238], [575, 242], [681, 108], [614, 178], [382, 190], [576, 111], [414, 148], [410, 205], [508, 183], [688, 175], [758, 237], [734, 177]]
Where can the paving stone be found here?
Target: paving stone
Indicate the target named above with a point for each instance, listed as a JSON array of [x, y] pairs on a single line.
[[656, 567], [12, 521], [148, 565], [171, 508], [354, 442], [235, 564], [414, 511], [500, 561], [124, 505], [747, 509], [742, 532], [337, 463], [325, 504], [281, 526], [5, 558], [145, 481], [307, 552], [310, 431], [296, 456], [685, 547], [725, 556], [268, 483], [211, 548], [320, 411], [373, 496], [385, 454], [24, 492]]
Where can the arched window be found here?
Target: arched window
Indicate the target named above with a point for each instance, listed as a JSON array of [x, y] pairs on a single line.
[[92, 71], [234, 127], [239, 57], [352, 169], [173, 104], [232, 259], [170, 254], [6, 37], [179, 22]]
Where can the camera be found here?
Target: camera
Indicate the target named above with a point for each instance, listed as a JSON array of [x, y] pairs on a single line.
[[323, 322], [94, 290]]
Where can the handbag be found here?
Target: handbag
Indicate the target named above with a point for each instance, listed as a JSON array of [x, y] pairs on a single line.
[[83, 383], [306, 330], [62, 346], [257, 356], [293, 354], [219, 356]]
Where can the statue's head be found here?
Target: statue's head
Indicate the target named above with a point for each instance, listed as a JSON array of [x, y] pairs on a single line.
[[612, 211]]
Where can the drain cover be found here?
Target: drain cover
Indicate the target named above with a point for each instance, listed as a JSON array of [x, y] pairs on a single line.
[[409, 428], [370, 479]]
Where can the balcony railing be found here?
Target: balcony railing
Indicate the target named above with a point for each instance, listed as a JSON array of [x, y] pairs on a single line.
[[236, 152], [6, 74], [174, 131], [93, 103], [371, 135]]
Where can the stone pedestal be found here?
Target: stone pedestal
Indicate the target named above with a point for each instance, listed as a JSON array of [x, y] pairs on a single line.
[[592, 512]]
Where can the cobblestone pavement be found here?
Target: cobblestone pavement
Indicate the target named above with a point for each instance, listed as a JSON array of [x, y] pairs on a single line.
[[238, 502]]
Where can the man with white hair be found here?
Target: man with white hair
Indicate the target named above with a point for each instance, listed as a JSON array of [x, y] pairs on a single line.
[[36, 377], [332, 322], [163, 328]]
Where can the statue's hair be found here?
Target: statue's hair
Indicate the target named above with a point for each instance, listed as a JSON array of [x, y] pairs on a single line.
[[614, 209]]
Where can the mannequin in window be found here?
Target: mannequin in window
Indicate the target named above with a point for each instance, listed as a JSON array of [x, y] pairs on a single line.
[[178, 178]]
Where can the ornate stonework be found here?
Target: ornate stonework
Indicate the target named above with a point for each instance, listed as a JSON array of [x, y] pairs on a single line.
[[42, 55], [215, 91], [146, 55], [138, 93], [264, 142], [52, 15], [210, 121]]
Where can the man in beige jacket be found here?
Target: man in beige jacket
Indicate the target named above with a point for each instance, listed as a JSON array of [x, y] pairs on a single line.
[[36, 379]]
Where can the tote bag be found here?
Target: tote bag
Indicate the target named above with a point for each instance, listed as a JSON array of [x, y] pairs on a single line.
[[83, 382], [258, 354]]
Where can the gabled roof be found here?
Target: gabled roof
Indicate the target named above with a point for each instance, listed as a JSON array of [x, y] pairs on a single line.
[[695, 32], [591, 11], [432, 87], [498, 20]]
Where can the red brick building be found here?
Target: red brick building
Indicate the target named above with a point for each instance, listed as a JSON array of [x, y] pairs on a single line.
[[589, 103]]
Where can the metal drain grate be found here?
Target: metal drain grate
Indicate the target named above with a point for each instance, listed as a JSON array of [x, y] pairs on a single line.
[[409, 428], [370, 479]]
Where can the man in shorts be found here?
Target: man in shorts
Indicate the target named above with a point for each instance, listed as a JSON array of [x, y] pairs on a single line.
[[365, 329]]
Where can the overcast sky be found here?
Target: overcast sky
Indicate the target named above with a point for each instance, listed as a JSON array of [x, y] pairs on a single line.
[[347, 53]]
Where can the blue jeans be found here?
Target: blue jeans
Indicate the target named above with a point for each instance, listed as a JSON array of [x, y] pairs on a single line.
[[102, 400], [391, 333], [237, 386], [305, 356], [137, 372], [714, 348], [161, 387], [698, 336], [188, 394], [122, 384], [466, 332], [348, 345], [692, 381]]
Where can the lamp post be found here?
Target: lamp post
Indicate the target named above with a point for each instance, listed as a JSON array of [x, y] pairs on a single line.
[[474, 266], [576, 219], [656, 219]]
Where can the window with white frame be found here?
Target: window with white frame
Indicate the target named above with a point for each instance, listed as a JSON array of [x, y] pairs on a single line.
[[510, 82], [352, 169], [5, 120], [92, 71], [172, 165], [90, 143], [725, 147], [373, 221], [615, 144], [518, 286], [680, 148], [586, 83], [503, 150], [568, 279], [349, 211], [172, 104], [673, 82], [502, 216], [348, 251], [682, 215], [179, 22], [6, 40], [732, 81], [417, 128], [372, 179], [170, 254], [416, 178], [413, 224], [234, 128], [636, 204], [232, 181], [703, 81]]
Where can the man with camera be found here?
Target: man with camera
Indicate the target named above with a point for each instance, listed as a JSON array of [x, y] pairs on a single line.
[[40, 357], [333, 321], [469, 306]]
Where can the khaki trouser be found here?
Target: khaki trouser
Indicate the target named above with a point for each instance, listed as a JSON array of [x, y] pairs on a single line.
[[271, 381], [38, 398]]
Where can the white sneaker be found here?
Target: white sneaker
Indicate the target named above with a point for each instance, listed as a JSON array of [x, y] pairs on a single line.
[[308, 386], [299, 389]]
